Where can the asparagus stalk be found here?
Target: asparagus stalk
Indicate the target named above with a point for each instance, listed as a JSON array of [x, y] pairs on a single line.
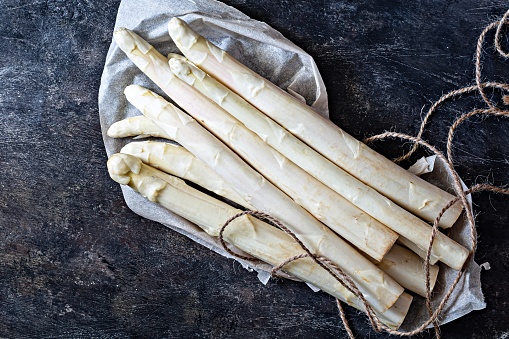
[[350, 222], [177, 161], [355, 191], [407, 268], [421, 253], [135, 126], [265, 197], [402, 187], [253, 236]]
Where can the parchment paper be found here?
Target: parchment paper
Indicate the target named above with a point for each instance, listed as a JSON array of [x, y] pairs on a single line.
[[267, 52]]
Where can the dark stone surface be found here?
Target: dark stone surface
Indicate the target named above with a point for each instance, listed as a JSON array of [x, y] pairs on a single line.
[[76, 263]]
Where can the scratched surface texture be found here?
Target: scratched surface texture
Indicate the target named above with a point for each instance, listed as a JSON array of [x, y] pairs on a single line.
[[76, 263]]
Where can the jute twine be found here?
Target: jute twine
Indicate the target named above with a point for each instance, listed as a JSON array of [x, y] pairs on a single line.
[[461, 195]]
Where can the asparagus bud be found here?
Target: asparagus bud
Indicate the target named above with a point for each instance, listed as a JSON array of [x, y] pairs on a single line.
[[136, 126], [376, 171], [249, 234]]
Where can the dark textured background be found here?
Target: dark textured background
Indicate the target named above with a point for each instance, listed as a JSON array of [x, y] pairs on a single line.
[[76, 263]]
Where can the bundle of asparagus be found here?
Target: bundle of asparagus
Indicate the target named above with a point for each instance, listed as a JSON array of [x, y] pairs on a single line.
[[325, 186]]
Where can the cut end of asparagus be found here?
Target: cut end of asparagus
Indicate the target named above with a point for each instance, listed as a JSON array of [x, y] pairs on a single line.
[[398, 311], [120, 165], [462, 256], [407, 269]]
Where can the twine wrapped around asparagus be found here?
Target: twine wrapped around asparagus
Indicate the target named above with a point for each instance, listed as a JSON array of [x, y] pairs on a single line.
[[176, 125], [399, 263]]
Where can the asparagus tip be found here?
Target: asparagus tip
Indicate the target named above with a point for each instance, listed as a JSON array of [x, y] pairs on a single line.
[[175, 21], [134, 90], [182, 35], [186, 70], [178, 66], [133, 148], [119, 165], [120, 29], [128, 41], [176, 26], [113, 131], [124, 39]]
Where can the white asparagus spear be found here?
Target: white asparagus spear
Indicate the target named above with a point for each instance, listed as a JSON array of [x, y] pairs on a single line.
[[367, 199], [253, 236], [339, 214], [421, 253], [406, 268], [266, 197], [177, 161], [402, 187], [135, 126]]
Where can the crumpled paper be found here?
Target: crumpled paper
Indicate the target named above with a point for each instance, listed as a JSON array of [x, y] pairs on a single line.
[[467, 296], [267, 52], [423, 165]]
